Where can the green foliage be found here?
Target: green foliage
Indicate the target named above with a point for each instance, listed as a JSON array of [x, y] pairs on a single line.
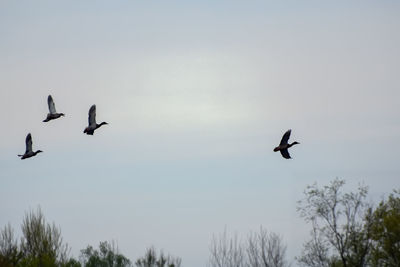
[[346, 232], [340, 226], [42, 240], [9, 251], [42, 261], [72, 263], [106, 256], [386, 232], [41, 244], [151, 259]]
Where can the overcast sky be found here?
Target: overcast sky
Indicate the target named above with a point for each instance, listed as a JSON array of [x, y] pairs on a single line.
[[196, 96]]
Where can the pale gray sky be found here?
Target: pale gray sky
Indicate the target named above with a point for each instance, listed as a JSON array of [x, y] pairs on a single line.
[[197, 95]]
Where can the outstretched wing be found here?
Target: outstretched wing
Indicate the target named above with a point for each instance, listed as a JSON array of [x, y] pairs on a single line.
[[285, 137], [92, 115], [52, 107], [28, 143], [285, 153]]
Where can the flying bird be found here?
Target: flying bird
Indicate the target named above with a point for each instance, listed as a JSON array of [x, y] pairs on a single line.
[[28, 152], [284, 145], [92, 121], [52, 115]]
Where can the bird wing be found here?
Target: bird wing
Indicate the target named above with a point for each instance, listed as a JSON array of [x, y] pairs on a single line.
[[285, 153], [52, 106], [28, 143], [285, 137], [92, 115]]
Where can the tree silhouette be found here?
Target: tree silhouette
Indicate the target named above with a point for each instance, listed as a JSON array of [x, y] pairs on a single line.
[[341, 226]]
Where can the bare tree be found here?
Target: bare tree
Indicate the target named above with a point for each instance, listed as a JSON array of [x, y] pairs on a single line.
[[316, 251], [340, 226], [260, 249], [265, 250], [226, 252]]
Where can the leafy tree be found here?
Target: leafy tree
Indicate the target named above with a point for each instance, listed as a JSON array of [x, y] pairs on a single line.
[[72, 263], [106, 256], [341, 226], [9, 251], [386, 232], [42, 243], [151, 259]]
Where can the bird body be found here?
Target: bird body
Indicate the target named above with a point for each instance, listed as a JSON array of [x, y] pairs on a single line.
[[29, 152], [53, 116], [92, 122], [52, 110], [284, 145]]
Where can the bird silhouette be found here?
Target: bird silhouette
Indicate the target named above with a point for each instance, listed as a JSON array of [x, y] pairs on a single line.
[[92, 122], [29, 152], [284, 145], [52, 115]]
